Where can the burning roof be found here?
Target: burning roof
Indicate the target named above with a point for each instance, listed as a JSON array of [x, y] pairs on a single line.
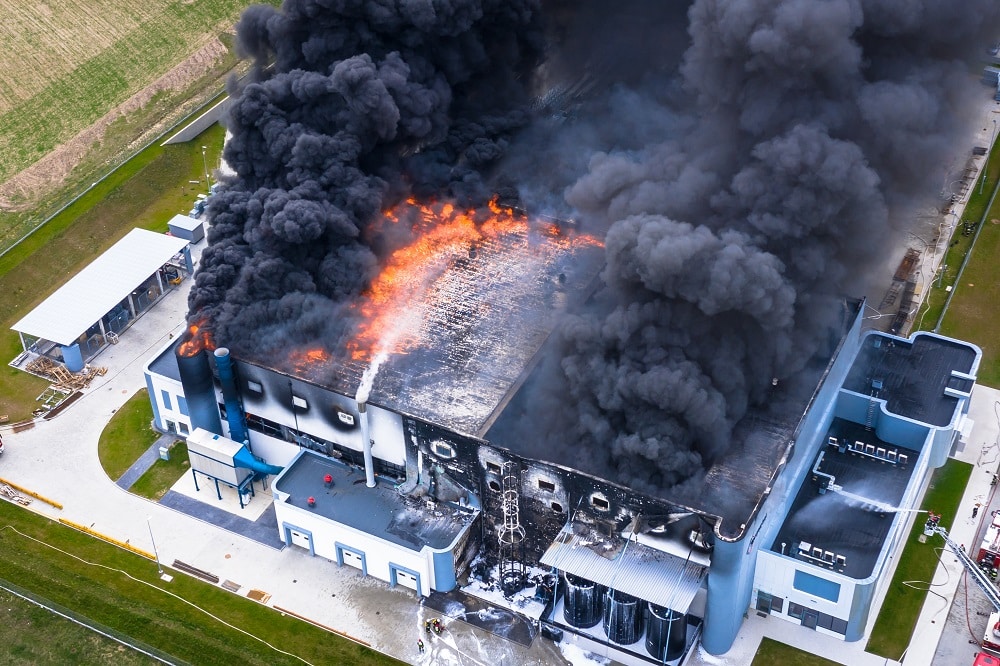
[[452, 322]]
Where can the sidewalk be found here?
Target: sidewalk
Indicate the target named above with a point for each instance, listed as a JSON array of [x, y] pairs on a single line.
[[930, 624], [145, 461]]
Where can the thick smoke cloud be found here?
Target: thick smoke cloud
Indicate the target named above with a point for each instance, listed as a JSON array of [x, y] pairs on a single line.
[[351, 105], [747, 160], [768, 166]]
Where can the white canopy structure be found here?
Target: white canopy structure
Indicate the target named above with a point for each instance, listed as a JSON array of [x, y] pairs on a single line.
[[105, 296]]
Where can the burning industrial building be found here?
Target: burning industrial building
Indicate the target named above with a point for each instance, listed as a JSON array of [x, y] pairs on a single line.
[[564, 284]]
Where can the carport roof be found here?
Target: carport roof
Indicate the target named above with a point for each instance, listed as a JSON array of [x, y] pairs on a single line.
[[91, 293]]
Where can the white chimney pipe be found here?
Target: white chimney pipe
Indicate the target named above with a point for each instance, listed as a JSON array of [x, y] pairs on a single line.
[[366, 443]]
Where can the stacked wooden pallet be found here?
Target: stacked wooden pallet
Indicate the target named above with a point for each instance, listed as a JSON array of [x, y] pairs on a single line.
[[63, 378]]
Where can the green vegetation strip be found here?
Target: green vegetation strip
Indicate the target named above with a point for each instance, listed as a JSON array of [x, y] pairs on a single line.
[[773, 653], [186, 618], [127, 436], [901, 607], [40, 632], [972, 313]]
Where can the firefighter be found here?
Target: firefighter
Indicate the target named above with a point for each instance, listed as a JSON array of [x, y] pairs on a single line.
[[420, 645]]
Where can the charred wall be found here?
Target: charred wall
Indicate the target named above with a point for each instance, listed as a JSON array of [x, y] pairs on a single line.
[[550, 495]]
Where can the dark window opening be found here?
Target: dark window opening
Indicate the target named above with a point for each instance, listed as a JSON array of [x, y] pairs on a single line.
[[546, 485], [557, 507], [600, 502]]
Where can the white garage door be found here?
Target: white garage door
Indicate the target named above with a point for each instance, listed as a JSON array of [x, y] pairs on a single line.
[[354, 560], [406, 580], [299, 539]]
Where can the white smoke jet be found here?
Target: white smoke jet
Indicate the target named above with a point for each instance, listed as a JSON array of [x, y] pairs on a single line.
[[368, 378], [869, 504]]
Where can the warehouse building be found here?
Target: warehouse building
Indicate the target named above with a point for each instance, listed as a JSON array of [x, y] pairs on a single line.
[[798, 519]]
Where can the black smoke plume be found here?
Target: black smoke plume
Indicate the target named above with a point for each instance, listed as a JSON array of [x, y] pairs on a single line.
[[351, 105], [750, 161]]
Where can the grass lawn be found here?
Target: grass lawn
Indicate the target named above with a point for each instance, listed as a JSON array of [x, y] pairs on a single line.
[[144, 192], [773, 653], [66, 642], [127, 436], [120, 590], [899, 612], [163, 474]]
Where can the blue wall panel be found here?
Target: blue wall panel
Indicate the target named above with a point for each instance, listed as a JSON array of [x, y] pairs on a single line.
[[730, 578]]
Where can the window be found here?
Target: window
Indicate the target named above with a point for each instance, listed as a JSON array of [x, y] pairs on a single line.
[[493, 467], [166, 399], [255, 387], [546, 485], [795, 610], [345, 418], [600, 502], [299, 402], [816, 586], [182, 405], [557, 507], [494, 485], [184, 428], [839, 626], [768, 603], [443, 450]]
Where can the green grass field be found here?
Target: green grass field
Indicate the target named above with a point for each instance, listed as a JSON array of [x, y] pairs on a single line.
[[901, 607], [66, 642], [158, 479], [195, 622], [773, 653], [127, 436]]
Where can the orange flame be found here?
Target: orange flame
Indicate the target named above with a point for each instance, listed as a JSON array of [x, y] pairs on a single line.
[[444, 235], [302, 359], [196, 340]]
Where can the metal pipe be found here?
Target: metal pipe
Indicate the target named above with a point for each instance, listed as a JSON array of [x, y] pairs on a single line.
[[231, 396], [366, 443]]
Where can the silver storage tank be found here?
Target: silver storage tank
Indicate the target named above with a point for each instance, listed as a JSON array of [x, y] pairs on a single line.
[[666, 633], [582, 601], [622, 617]]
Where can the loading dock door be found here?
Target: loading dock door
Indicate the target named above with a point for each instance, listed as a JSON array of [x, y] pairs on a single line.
[[299, 539], [353, 559], [406, 580]]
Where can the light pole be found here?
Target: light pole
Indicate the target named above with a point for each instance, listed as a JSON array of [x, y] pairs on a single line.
[[204, 161], [988, 151], [159, 567]]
